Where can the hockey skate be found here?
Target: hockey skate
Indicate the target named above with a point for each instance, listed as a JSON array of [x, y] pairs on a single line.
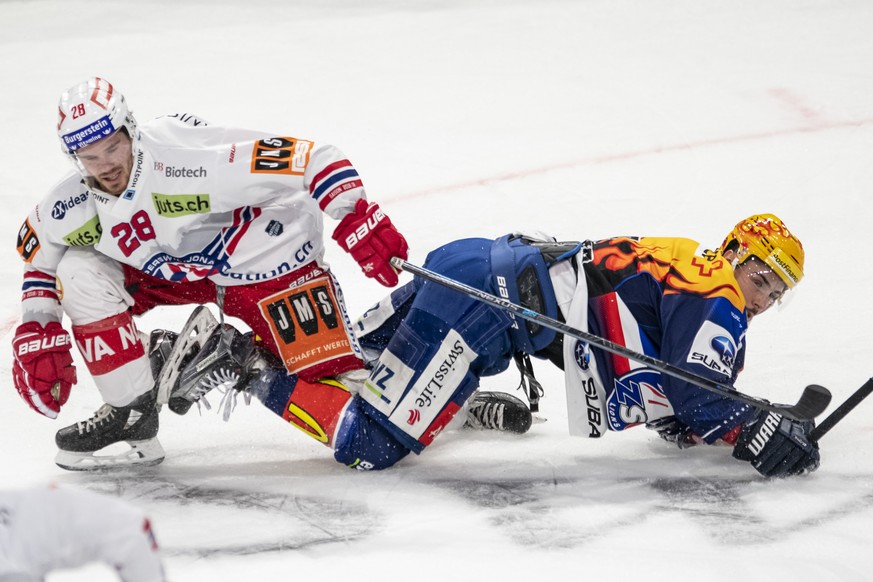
[[498, 411], [172, 354], [81, 445], [161, 342], [227, 361]]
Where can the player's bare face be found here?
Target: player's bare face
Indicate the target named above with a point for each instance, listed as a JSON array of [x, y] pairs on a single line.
[[109, 161], [761, 287]]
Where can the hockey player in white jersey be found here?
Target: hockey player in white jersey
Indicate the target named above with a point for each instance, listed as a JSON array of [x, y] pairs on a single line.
[[179, 211], [48, 528]]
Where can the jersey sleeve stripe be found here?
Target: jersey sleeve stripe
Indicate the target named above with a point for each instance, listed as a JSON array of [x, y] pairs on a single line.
[[326, 171], [331, 181], [344, 187], [37, 284], [39, 275]]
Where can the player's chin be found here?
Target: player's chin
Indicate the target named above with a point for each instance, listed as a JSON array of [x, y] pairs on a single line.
[[113, 186]]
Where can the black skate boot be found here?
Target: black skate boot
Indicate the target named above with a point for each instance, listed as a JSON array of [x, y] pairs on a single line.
[[498, 411], [227, 361], [136, 425]]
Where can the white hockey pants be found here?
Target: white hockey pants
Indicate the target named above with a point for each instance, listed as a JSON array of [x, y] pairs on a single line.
[[94, 298]]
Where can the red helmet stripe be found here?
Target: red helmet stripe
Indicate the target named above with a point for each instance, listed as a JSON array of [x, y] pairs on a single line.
[[102, 93]]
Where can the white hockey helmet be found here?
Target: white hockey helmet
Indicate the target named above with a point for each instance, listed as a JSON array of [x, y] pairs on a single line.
[[90, 111]]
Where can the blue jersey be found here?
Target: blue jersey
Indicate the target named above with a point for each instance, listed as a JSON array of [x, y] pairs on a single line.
[[658, 296], [429, 345]]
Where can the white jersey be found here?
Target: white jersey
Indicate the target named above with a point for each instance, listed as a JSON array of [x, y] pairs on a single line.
[[231, 205], [49, 528]]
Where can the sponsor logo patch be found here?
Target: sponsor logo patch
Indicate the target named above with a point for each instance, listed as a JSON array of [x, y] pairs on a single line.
[[592, 406], [582, 355], [626, 406], [176, 205], [28, 243], [275, 228], [281, 155], [183, 172], [188, 268], [87, 135], [713, 348], [307, 324], [86, 235], [59, 210]]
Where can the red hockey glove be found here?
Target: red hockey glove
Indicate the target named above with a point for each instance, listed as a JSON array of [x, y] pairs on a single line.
[[368, 235], [43, 370]]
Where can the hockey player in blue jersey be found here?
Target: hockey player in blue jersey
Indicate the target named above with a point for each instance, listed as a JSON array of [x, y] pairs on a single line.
[[430, 345]]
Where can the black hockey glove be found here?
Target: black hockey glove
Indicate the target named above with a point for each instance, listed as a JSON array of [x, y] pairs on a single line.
[[671, 430], [777, 446]]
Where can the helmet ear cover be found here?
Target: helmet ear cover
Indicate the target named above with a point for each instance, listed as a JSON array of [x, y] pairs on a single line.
[[732, 245]]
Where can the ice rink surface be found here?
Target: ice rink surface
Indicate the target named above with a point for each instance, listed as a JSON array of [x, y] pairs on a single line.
[[584, 119]]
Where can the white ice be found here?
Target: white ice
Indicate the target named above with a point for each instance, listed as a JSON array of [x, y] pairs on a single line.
[[584, 119]]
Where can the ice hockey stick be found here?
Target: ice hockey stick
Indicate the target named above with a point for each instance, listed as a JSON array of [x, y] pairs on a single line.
[[842, 410], [813, 401]]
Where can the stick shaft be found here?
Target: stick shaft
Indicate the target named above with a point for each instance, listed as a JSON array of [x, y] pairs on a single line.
[[842, 410], [813, 401]]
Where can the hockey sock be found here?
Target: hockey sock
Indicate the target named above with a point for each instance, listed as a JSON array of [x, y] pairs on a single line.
[[116, 358], [316, 408]]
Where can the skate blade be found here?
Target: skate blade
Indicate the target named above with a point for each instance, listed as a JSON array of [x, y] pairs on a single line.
[[537, 419], [140, 453], [197, 329]]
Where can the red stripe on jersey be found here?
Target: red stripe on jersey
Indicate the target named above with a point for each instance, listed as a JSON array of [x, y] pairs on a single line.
[[39, 284], [326, 172], [344, 187], [613, 331], [39, 275], [39, 293], [244, 222], [439, 423]]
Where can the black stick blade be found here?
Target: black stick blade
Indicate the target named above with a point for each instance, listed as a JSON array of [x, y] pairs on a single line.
[[814, 400]]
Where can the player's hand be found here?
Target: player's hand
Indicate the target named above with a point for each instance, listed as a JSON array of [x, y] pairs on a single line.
[[778, 446], [43, 370], [672, 430], [368, 235]]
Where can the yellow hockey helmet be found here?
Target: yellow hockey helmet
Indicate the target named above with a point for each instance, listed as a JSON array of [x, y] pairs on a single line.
[[766, 238]]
